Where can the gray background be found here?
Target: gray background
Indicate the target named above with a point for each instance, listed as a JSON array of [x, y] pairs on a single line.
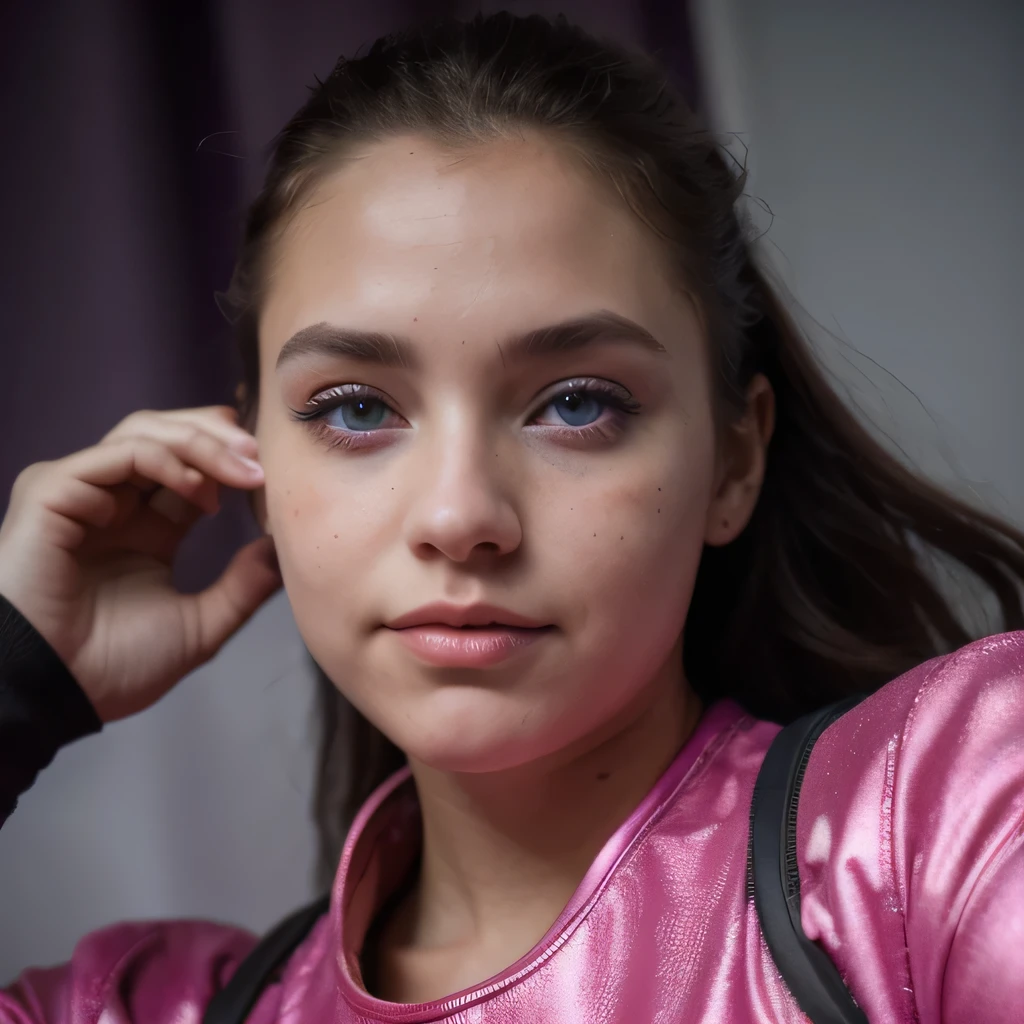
[[887, 140]]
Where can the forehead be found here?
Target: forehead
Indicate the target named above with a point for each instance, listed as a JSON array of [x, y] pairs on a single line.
[[407, 229]]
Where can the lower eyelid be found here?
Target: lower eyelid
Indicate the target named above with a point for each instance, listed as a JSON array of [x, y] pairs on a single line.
[[334, 437], [606, 428]]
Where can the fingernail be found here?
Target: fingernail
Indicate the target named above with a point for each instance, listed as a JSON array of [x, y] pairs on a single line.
[[250, 464]]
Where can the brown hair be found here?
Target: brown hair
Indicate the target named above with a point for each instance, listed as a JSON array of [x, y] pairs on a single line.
[[826, 592]]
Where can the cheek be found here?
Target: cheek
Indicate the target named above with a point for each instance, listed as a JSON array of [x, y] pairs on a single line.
[[329, 533], [631, 542]]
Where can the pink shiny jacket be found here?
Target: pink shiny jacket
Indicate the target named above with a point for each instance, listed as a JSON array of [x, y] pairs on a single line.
[[911, 861]]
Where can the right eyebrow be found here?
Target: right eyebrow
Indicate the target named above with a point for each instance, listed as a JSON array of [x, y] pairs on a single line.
[[347, 343]]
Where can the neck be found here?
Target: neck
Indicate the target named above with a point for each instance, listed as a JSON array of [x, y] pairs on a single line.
[[503, 852]]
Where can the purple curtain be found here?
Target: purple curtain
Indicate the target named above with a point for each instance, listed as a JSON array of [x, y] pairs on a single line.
[[133, 136]]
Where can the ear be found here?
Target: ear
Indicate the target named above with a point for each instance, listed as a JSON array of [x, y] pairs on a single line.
[[258, 507], [257, 499], [743, 455]]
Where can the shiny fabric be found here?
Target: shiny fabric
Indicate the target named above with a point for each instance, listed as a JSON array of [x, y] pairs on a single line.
[[911, 859]]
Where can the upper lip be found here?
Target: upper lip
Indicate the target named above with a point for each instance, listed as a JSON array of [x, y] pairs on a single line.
[[441, 613]]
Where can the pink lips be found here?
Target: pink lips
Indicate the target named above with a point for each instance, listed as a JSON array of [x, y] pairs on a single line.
[[475, 636]]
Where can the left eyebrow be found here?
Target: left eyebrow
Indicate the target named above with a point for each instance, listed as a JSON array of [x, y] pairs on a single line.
[[600, 327], [571, 335]]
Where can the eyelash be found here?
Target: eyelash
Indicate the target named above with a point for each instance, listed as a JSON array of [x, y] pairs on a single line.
[[612, 396]]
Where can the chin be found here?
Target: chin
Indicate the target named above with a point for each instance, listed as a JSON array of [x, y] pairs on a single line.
[[473, 734]]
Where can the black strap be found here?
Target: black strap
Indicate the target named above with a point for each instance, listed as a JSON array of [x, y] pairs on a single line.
[[806, 968], [232, 1004]]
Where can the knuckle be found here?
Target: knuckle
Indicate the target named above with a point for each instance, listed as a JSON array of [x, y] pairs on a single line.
[[143, 449], [129, 443], [193, 435], [135, 420], [205, 442], [27, 478], [128, 427]]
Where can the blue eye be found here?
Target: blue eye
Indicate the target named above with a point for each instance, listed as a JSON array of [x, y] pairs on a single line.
[[578, 408], [358, 414]]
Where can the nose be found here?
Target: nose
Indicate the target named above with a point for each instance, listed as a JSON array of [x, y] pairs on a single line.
[[463, 508]]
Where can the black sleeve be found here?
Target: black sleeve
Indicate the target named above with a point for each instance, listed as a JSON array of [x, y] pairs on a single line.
[[42, 707]]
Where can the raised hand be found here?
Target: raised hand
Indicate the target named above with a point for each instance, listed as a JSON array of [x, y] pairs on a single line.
[[88, 541]]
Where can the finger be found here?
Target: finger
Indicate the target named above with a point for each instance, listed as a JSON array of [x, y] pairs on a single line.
[[173, 507], [78, 505], [113, 466], [179, 465], [218, 420], [88, 504], [178, 427], [186, 437], [206, 498], [127, 500], [147, 532], [250, 578]]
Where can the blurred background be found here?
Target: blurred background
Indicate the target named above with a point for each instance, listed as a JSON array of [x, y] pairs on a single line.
[[885, 146]]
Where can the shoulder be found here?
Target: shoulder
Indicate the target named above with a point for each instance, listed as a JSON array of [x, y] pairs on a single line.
[[934, 734], [141, 971], [911, 807]]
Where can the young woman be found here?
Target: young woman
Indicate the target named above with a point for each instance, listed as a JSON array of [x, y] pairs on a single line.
[[568, 515]]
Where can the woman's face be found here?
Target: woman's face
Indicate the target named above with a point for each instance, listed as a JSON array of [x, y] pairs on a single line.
[[515, 412]]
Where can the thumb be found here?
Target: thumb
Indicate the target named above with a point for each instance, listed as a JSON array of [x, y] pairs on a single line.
[[250, 578]]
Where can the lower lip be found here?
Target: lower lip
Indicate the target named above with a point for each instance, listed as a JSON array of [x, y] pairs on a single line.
[[450, 647]]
